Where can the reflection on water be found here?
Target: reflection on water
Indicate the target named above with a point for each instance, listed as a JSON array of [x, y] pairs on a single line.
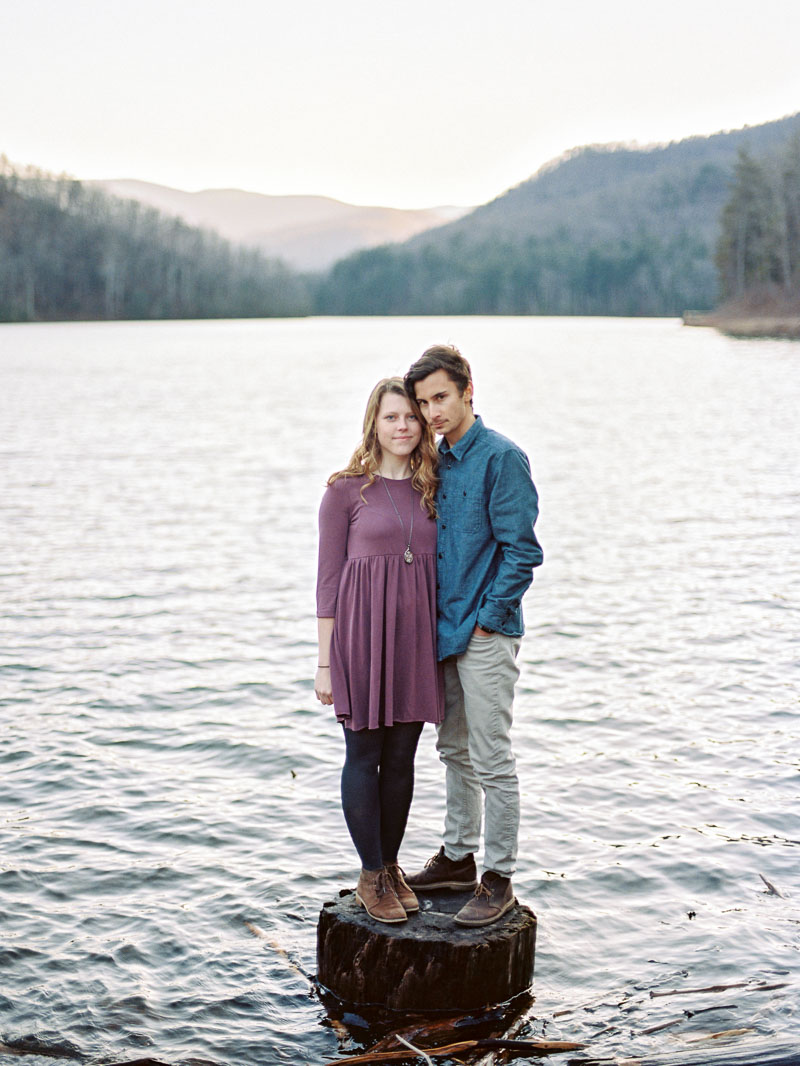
[[169, 783]]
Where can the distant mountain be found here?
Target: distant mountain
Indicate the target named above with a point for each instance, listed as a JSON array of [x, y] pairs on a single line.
[[604, 229], [609, 191], [307, 232]]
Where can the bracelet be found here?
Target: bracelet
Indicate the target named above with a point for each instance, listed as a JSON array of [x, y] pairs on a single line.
[[321, 667]]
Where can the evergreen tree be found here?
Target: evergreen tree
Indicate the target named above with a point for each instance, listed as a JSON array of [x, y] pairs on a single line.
[[790, 188], [748, 253]]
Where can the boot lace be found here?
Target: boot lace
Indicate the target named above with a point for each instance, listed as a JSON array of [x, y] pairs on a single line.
[[434, 860], [396, 874], [383, 883]]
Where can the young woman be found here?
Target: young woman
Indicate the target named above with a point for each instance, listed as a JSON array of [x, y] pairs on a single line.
[[376, 610]]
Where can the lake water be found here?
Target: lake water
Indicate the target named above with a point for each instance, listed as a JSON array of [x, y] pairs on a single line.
[[169, 785]]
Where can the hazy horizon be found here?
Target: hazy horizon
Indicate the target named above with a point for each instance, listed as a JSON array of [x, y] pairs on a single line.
[[631, 144], [435, 105]]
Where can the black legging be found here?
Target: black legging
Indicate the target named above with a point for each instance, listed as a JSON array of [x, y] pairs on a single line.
[[377, 786]]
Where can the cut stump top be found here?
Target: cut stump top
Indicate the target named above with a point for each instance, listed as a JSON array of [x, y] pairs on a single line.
[[427, 962]]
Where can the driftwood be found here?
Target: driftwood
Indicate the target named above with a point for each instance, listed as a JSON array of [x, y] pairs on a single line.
[[537, 1047], [726, 1034], [718, 988], [427, 963], [687, 1014], [257, 931], [771, 889]]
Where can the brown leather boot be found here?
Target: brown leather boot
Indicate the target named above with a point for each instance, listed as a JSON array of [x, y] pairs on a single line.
[[441, 872], [408, 900], [377, 896], [493, 897]]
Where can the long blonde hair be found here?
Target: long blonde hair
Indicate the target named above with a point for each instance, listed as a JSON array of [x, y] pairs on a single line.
[[366, 459]]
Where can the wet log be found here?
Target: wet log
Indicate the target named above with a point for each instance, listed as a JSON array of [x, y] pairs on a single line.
[[427, 963]]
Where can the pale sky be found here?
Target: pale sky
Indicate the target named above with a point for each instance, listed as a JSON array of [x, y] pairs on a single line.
[[413, 104]]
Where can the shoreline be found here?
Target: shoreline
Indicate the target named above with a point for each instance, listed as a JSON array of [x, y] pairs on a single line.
[[783, 327]]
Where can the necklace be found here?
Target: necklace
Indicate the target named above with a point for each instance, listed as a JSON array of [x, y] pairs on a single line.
[[408, 555]]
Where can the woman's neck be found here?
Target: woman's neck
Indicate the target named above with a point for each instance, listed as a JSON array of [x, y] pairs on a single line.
[[395, 468]]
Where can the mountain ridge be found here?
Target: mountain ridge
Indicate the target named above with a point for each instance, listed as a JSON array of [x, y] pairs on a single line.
[[598, 165], [308, 232], [602, 230]]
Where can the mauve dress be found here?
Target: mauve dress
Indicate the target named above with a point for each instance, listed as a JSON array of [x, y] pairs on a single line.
[[383, 652]]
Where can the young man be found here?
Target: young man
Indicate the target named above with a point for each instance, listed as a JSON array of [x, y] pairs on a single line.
[[486, 551]]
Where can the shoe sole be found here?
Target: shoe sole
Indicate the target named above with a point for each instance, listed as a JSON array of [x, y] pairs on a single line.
[[455, 885], [477, 922], [386, 921]]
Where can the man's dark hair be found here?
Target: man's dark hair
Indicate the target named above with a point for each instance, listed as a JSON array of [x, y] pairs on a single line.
[[440, 357]]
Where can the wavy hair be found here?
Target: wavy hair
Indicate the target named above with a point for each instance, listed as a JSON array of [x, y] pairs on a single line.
[[440, 357], [366, 459]]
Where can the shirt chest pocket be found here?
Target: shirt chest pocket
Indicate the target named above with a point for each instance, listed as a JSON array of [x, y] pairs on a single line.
[[476, 516]]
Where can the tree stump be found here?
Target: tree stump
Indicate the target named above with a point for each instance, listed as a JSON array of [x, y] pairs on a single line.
[[428, 962]]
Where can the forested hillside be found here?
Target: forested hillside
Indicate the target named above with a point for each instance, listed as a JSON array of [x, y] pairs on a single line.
[[71, 252], [604, 230]]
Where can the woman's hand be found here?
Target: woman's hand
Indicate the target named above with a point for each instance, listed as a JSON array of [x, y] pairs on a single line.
[[322, 685]]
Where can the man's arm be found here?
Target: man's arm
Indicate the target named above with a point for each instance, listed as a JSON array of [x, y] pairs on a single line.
[[513, 507]]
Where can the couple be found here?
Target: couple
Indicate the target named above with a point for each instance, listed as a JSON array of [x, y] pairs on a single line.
[[426, 556]]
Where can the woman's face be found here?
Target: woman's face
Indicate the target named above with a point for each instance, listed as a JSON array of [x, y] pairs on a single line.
[[398, 428]]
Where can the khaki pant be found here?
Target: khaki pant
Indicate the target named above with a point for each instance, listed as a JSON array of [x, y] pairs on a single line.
[[474, 743]]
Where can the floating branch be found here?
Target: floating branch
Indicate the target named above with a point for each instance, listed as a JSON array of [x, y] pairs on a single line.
[[721, 1035], [417, 1051], [664, 1025], [718, 988], [276, 947], [538, 1047], [771, 889]]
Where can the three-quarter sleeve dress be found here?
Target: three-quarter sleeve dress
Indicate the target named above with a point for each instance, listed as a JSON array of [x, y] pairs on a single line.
[[383, 651]]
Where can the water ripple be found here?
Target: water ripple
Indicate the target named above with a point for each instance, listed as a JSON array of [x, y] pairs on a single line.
[[169, 783]]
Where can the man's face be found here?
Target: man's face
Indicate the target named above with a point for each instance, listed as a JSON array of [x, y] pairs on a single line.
[[447, 412]]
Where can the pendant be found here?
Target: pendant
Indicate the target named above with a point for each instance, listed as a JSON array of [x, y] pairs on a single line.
[[409, 556]]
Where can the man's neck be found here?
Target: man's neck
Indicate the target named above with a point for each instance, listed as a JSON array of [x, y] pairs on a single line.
[[461, 429]]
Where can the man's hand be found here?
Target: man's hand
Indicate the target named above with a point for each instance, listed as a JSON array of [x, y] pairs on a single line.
[[479, 632]]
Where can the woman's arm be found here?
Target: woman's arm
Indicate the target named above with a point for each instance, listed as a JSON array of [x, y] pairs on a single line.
[[322, 679], [334, 525]]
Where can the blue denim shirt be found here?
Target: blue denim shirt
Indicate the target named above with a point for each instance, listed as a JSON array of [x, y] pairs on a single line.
[[486, 546]]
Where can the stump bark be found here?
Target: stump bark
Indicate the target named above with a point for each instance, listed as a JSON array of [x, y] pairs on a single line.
[[428, 962]]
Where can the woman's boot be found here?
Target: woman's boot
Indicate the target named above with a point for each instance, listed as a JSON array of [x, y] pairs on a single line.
[[404, 893], [375, 892]]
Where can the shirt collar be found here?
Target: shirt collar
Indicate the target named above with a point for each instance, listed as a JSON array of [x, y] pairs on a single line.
[[462, 446]]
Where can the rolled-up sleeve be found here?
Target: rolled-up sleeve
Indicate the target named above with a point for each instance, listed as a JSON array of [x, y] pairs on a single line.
[[513, 507], [334, 523]]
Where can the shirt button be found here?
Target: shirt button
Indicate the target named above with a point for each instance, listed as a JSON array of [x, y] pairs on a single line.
[[440, 555], [444, 526]]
